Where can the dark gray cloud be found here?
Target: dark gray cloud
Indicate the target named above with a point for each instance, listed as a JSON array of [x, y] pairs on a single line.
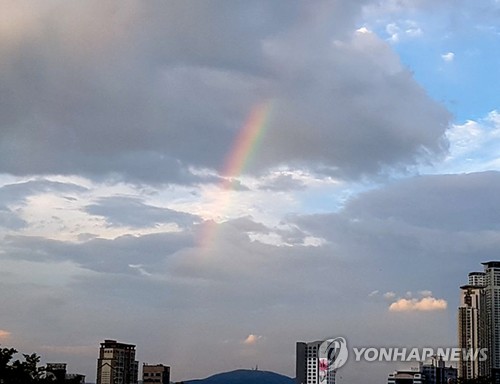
[[133, 212], [446, 221], [143, 92], [101, 255], [466, 202], [355, 122]]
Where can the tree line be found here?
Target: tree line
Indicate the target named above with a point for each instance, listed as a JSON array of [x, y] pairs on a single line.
[[25, 371]]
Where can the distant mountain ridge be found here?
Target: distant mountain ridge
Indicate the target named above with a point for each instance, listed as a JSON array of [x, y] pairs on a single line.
[[244, 376]]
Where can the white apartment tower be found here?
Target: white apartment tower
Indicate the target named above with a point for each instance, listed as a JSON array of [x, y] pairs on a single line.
[[479, 323], [307, 364], [472, 330], [477, 278]]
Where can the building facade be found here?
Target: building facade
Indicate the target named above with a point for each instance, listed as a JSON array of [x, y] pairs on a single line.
[[472, 331], [434, 372], [479, 323], [492, 299], [56, 374], [307, 366], [406, 377], [158, 373], [438, 373], [116, 363]]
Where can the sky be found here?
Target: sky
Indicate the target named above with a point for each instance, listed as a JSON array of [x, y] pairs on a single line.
[[213, 181]]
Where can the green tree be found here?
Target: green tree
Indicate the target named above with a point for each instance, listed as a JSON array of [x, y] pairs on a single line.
[[6, 355], [20, 372]]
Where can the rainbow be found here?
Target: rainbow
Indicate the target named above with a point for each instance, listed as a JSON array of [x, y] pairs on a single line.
[[243, 149]]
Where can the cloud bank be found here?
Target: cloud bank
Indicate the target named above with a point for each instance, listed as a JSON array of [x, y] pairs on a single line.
[[139, 92]]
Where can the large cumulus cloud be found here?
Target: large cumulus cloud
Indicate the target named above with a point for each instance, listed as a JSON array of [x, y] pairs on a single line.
[[146, 91]]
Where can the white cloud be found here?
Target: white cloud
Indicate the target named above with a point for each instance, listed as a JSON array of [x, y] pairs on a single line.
[[449, 56], [402, 29], [408, 303], [373, 293], [425, 293], [252, 339], [424, 304], [389, 295], [393, 30], [474, 145], [414, 32], [140, 268], [465, 137], [363, 30]]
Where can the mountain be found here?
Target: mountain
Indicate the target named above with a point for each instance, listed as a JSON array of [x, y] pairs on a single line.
[[244, 376]]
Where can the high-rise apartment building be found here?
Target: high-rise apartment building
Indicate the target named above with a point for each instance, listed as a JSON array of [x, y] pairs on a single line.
[[472, 331], [477, 278], [307, 364], [479, 323], [492, 300], [158, 373], [116, 363]]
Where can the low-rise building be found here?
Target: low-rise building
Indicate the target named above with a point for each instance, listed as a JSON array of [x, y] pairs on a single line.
[[157, 373], [434, 372], [411, 376], [437, 373], [57, 374]]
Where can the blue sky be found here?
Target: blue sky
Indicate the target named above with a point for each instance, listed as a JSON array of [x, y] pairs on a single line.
[[465, 80], [371, 195]]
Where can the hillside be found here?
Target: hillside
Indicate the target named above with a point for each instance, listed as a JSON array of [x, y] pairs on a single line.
[[243, 376]]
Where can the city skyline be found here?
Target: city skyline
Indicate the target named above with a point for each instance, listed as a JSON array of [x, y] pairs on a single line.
[[215, 180]]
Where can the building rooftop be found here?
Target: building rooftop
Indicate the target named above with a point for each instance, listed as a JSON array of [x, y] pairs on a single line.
[[116, 344], [491, 264], [470, 286]]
